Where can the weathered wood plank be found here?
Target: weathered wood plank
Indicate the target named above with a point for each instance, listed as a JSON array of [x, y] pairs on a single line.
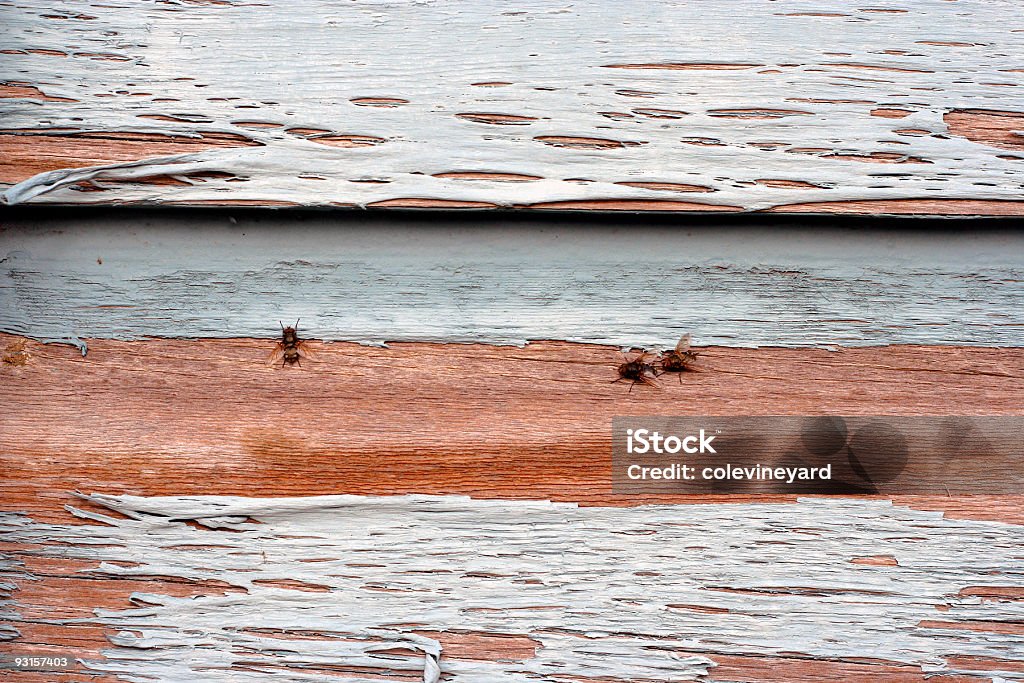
[[139, 275], [322, 585], [914, 107], [166, 417]]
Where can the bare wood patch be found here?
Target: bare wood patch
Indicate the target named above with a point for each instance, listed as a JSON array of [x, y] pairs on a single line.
[[703, 609], [703, 142], [47, 52], [988, 127], [876, 561], [28, 92], [795, 184], [293, 584], [661, 113], [345, 141], [103, 56], [176, 119], [1008, 627], [787, 669], [75, 597], [875, 67], [217, 138], [946, 43], [985, 664], [667, 187], [498, 119], [995, 592], [383, 102], [584, 143], [923, 207], [487, 175], [430, 203], [629, 92], [876, 158], [256, 124], [81, 17], [306, 132], [24, 154], [144, 180], [891, 112], [478, 646]]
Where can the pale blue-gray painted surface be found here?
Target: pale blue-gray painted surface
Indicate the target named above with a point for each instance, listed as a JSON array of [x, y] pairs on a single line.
[[354, 279]]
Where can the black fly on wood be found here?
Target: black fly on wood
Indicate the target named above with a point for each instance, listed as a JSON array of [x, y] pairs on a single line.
[[638, 371], [290, 349], [680, 359]]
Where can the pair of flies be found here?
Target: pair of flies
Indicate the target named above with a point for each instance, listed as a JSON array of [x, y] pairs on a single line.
[[640, 370], [290, 349]]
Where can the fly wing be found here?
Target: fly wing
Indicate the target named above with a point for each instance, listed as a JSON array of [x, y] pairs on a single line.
[[304, 350], [683, 345], [277, 354], [650, 381]]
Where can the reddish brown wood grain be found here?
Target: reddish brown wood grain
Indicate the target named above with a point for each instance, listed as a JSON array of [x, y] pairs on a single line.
[[924, 207], [988, 127], [211, 417], [64, 588], [24, 154], [784, 669]]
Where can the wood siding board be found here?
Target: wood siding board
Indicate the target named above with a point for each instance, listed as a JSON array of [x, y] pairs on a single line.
[[348, 119], [163, 417], [132, 277], [593, 587]]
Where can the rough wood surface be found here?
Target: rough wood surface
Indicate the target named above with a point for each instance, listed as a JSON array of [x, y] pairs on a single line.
[[654, 106], [211, 416], [628, 283]]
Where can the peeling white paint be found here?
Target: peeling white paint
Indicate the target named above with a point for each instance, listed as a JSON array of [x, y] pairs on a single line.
[[9, 576], [229, 67], [131, 277], [594, 587]]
